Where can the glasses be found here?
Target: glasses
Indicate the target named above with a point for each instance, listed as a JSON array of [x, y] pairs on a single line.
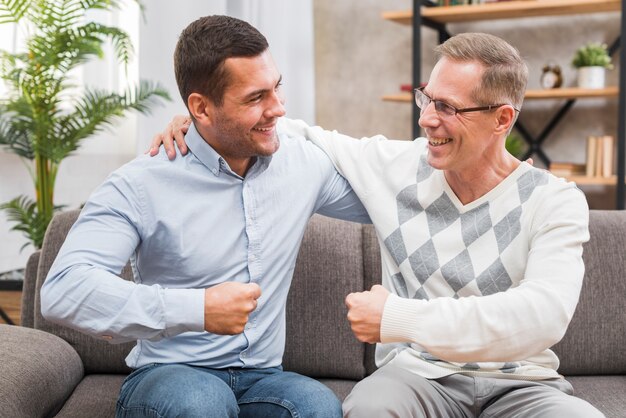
[[422, 101]]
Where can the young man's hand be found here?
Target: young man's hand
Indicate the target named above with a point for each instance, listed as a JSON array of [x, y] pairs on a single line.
[[175, 131], [365, 313], [228, 305]]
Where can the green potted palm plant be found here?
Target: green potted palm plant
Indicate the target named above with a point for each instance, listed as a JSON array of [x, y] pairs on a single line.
[[592, 60], [40, 119]]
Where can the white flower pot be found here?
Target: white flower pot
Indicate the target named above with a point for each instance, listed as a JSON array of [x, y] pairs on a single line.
[[591, 77]]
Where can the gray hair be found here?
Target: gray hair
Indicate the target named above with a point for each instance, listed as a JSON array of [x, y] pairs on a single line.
[[506, 74]]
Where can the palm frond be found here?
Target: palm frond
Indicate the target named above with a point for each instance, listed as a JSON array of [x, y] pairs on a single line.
[[100, 4], [95, 111], [12, 11], [23, 212], [146, 94], [16, 128], [93, 31]]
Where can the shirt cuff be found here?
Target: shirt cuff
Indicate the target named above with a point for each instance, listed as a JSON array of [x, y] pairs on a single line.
[[400, 320], [184, 310]]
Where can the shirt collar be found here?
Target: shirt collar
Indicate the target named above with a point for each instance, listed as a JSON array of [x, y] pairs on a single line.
[[202, 150], [214, 161]]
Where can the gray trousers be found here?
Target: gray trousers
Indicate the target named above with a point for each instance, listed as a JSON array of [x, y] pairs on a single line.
[[395, 392]]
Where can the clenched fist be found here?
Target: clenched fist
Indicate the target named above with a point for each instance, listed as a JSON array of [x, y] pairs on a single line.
[[365, 313], [228, 305]]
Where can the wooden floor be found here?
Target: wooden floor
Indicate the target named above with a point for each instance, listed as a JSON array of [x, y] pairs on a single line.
[[10, 302]]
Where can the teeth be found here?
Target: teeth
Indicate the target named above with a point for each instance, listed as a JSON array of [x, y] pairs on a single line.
[[263, 129], [439, 141]]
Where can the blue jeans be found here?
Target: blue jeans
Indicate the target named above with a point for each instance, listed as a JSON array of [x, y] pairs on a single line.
[[179, 390]]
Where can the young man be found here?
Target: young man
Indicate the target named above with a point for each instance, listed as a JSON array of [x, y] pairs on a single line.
[[213, 238], [482, 254]]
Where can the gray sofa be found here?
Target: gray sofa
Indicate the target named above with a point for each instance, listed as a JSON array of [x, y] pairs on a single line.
[[48, 370]]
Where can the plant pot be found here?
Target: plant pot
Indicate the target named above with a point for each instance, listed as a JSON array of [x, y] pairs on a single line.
[[591, 77]]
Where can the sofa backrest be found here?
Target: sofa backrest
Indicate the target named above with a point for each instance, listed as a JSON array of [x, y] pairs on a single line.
[[595, 340], [337, 258], [320, 342], [98, 356]]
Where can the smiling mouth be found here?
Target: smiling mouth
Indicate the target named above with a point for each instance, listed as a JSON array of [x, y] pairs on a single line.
[[263, 129], [435, 142]]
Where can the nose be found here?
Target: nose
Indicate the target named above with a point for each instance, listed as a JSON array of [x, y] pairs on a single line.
[[276, 108], [429, 117]]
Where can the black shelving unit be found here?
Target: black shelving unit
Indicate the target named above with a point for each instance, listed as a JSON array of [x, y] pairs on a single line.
[[534, 142]]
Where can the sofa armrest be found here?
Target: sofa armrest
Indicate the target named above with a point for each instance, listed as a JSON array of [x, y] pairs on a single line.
[[28, 290], [38, 372]]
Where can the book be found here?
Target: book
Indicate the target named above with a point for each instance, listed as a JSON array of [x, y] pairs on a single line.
[[590, 158], [608, 155], [564, 169], [600, 159]]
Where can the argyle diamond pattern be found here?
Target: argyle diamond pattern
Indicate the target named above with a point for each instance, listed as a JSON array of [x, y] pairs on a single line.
[[426, 255]]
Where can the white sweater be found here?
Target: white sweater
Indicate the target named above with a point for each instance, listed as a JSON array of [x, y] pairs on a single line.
[[481, 289]]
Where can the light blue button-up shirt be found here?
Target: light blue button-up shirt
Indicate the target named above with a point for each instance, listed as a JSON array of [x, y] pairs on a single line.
[[189, 224]]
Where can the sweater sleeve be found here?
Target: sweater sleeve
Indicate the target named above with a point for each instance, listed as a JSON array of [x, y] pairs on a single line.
[[348, 154], [515, 324]]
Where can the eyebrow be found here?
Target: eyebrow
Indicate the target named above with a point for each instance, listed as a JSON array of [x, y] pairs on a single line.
[[262, 91], [446, 101]]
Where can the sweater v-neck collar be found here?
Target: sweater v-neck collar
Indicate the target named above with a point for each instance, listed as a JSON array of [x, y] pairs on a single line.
[[490, 195]]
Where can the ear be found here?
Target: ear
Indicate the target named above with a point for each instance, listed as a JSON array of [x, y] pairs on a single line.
[[201, 108], [505, 117]]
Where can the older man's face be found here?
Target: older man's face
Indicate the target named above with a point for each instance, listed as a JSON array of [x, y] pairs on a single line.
[[459, 141]]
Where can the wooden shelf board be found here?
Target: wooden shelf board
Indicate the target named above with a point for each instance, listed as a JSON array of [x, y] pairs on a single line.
[[506, 10], [560, 93], [593, 181], [400, 97], [571, 93]]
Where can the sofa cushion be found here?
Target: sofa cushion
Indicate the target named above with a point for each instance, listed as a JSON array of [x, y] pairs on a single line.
[[94, 397], [604, 392], [98, 356], [595, 340], [38, 372], [320, 342]]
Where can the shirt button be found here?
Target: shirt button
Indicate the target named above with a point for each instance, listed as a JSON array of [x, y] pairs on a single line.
[[214, 171]]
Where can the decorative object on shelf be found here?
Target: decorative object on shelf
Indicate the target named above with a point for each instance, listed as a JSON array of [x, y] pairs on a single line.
[[551, 76], [41, 121], [592, 60]]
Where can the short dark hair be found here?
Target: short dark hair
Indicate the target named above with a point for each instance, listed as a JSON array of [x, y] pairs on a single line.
[[203, 48]]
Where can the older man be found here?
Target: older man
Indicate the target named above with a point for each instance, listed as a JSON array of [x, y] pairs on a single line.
[[482, 253]]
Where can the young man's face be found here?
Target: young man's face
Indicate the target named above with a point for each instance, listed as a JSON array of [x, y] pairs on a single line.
[[456, 142], [244, 126]]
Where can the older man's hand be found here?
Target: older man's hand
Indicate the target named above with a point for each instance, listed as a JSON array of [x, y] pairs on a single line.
[[365, 313]]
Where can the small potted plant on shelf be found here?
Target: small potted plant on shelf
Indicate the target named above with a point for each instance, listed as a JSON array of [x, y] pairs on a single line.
[[592, 60]]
